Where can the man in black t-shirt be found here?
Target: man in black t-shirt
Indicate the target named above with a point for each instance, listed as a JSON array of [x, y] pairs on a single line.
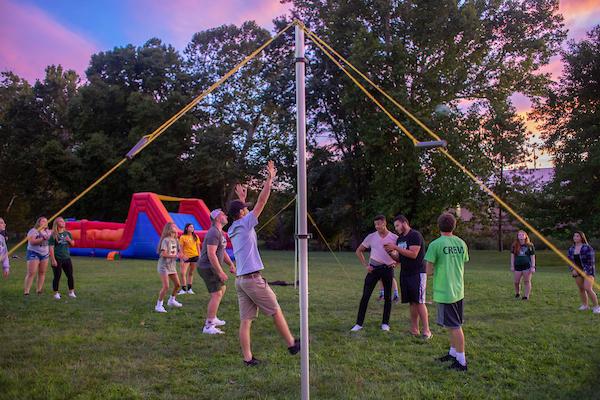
[[410, 252]]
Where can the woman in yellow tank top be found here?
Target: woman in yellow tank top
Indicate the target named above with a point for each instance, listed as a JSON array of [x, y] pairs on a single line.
[[190, 244]]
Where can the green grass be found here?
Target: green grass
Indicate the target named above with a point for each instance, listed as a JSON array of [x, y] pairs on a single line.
[[110, 344]]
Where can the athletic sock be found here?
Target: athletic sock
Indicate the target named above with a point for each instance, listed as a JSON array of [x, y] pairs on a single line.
[[452, 352], [460, 357], [396, 293], [381, 293], [189, 287]]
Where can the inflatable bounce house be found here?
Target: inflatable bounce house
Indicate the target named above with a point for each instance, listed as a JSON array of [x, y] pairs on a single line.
[[138, 236]]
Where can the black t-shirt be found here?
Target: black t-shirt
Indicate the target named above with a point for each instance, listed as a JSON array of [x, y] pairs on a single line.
[[410, 266]]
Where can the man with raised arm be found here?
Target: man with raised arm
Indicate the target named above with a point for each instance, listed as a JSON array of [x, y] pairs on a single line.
[[253, 291]]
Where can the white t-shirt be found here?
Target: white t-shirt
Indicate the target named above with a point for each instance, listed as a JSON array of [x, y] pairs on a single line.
[[375, 242]]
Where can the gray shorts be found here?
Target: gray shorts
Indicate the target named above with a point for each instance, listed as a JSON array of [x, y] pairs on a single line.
[[254, 293], [450, 315]]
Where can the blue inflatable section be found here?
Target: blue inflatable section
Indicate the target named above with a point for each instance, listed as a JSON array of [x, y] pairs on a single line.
[[182, 219], [144, 241]]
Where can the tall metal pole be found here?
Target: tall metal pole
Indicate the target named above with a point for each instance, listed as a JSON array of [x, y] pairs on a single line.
[[302, 221]]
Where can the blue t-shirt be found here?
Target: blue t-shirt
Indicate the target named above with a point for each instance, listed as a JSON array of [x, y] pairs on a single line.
[[245, 244]]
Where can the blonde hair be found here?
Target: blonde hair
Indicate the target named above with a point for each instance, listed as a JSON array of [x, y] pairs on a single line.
[[517, 244], [55, 227], [165, 232]]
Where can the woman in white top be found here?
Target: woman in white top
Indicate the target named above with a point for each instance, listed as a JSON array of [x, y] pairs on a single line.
[[38, 252]]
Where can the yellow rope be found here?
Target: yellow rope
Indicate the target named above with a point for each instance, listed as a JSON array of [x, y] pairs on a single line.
[[154, 135], [275, 216], [314, 224], [321, 44], [365, 91]]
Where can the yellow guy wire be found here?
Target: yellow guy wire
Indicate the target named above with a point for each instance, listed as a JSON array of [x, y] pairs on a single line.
[[154, 135], [321, 44], [312, 221], [275, 216], [361, 87]]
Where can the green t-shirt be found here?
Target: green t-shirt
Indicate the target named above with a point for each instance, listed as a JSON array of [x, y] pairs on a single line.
[[61, 246], [448, 255]]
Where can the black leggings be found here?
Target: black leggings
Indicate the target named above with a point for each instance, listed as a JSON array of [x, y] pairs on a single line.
[[67, 266], [386, 275]]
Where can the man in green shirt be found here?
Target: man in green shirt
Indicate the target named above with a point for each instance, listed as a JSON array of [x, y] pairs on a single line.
[[445, 258]]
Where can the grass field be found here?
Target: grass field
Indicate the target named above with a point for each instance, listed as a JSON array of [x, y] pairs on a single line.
[[110, 344]]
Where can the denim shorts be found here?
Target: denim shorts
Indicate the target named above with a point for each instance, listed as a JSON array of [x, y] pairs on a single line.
[[34, 255]]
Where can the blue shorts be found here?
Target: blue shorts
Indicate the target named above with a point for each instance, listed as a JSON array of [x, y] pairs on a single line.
[[34, 255]]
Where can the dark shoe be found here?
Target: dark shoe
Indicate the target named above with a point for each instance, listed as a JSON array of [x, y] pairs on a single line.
[[447, 357], [396, 299], [458, 366], [517, 296], [524, 298], [252, 363], [295, 348], [380, 298]]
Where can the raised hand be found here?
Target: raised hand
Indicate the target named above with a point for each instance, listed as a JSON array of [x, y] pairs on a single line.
[[271, 169], [241, 191]]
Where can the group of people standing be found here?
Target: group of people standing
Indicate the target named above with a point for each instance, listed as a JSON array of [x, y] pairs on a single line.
[[444, 259], [45, 246]]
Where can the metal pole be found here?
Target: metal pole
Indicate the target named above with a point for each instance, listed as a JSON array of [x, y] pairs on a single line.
[[296, 247], [302, 221]]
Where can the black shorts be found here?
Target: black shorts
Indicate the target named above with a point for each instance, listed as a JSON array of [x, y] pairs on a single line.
[[192, 259], [450, 315], [413, 288], [521, 268]]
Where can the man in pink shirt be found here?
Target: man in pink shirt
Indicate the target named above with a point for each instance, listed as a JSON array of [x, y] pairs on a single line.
[[379, 267]]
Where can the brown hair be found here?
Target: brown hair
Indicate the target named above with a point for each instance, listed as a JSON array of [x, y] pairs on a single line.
[[38, 221], [583, 238], [517, 245], [446, 222]]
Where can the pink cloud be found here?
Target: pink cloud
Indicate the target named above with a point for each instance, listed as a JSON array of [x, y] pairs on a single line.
[[580, 16], [30, 40], [177, 20]]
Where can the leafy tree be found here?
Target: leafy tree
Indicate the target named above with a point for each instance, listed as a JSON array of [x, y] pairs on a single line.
[[423, 54], [570, 123]]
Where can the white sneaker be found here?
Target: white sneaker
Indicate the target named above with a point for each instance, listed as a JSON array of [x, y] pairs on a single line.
[[160, 308], [190, 292], [72, 295], [181, 291], [57, 296], [583, 307], [356, 328], [218, 322], [173, 302], [596, 310], [385, 327], [212, 330]]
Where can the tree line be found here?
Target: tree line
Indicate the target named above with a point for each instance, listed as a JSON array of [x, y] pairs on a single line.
[[464, 58]]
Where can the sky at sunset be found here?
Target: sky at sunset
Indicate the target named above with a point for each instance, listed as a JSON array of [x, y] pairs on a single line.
[[36, 33]]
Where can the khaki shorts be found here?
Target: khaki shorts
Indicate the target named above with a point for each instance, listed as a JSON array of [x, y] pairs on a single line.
[[254, 293]]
